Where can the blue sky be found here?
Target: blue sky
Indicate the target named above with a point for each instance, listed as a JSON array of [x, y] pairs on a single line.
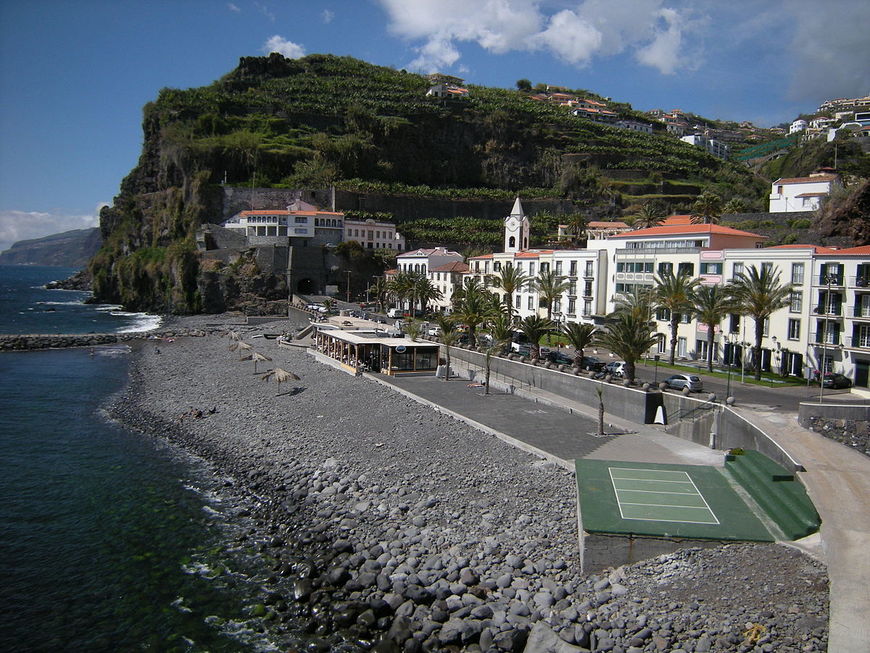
[[75, 75]]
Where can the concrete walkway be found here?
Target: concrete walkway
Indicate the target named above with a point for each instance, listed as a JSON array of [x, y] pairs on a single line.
[[837, 479]]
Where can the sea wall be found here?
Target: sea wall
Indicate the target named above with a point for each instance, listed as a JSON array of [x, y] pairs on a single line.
[[846, 424], [26, 342]]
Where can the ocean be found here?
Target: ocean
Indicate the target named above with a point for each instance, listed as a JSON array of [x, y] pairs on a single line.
[[109, 539]]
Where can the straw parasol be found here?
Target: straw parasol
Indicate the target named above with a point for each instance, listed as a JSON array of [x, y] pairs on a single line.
[[241, 347], [257, 357], [281, 376]]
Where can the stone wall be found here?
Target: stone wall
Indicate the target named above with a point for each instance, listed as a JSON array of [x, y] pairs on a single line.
[[846, 424]]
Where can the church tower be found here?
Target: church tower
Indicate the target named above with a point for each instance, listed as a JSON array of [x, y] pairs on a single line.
[[516, 230]]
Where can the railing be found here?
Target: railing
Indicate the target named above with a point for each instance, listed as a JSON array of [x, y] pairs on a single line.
[[698, 411], [832, 311], [824, 279], [860, 311], [860, 282], [861, 342], [832, 339]]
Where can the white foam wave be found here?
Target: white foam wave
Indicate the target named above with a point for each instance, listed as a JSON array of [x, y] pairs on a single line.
[[141, 322], [108, 307], [60, 303]]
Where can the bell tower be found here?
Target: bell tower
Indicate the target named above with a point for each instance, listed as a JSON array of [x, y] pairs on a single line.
[[516, 230]]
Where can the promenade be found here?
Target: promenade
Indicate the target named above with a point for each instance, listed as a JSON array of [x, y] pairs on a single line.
[[837, 478]]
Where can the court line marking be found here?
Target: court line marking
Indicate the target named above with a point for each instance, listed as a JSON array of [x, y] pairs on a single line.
[[671, 471]]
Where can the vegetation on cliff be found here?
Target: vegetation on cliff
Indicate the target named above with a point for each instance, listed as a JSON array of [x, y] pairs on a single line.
[[322, 119]]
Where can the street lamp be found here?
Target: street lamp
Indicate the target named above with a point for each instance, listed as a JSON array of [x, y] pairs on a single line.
[[729, 365], [827, 307]]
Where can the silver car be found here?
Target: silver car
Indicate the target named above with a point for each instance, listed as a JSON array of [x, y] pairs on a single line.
[[690, 381]]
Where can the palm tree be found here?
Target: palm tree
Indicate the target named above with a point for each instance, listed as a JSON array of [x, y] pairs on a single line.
[[474, 307], [758, 294], [402, 287], [707, 209], [535, 327], [629, 335], [509, 280], [380, 289], [329, 304], [580, 336], [499, 329], [651, 214], [576, 224], [425, 292], [550, 285], [674, 293], [711, 304], [448, 337]]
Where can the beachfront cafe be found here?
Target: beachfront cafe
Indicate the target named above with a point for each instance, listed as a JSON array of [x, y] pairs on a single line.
[[377, 351]]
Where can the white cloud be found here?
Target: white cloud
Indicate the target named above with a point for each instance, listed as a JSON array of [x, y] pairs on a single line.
[[327, 16], [586, 29], [233, 8], [265, 11], [25, 225], [282, 46], [664, 51]]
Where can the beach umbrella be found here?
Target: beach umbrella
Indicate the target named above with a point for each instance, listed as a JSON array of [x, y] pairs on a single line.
[[233, 335], [241, 347], [257, 357], [281, 376]]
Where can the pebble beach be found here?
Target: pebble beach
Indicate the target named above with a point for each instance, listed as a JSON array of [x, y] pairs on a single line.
[[390, 526]]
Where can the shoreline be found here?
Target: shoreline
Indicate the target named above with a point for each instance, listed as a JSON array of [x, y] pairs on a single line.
[[422, 533]]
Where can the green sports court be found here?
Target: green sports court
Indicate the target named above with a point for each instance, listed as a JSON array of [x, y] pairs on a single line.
[[663, 500]]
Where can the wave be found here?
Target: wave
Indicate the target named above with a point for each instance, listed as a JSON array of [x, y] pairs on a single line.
[[61, 303], [141, 321], [104, 308]]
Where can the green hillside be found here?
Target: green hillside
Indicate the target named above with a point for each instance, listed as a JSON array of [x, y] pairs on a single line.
[[324, 120]]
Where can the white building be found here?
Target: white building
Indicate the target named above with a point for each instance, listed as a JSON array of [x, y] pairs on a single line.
[[421, 261], [634, 125], [801, 193], [299, 221], [447, 279], [798, 126], [374, 235], [715, 147]]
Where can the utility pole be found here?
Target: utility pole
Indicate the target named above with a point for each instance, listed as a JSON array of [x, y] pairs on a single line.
[[348, 286]]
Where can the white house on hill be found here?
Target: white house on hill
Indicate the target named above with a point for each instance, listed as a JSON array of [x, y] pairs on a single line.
[[788, 195]]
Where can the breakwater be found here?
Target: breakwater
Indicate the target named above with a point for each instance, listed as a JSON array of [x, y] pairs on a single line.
[[30, 342]]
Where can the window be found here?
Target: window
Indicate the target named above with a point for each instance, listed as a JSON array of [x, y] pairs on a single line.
[[496, 266], [587, 289], [589, 268], [531, 303], [765, 328], [663, 314], [572, 289], [794, 329], [862, 334], [734, 326], [531, 268], [572, 306], [711, 268], [545, 267], [301, 219], [736, 270], [517, 302], [685, 318], [559, 267], [665, 269], [573, 269], [796, 302], [701, 349], [557, 306], [682, 347], [587, 307], [687, 269], [797, 272], [661, 345]]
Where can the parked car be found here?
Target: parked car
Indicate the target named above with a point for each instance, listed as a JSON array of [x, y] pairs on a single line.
[[592, 364], [837, 381], [559, 358], [434, 331], [615, 368], [690, 381]]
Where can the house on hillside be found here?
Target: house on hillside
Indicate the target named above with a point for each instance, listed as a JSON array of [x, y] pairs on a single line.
[[788, 195]]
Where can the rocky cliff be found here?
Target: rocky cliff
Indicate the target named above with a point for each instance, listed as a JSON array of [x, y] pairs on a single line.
[[70, 249]]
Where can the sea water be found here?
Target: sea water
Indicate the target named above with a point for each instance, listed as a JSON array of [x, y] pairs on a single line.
[[109, 540]]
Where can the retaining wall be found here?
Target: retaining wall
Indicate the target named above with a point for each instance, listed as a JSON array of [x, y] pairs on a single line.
[[691, 418]]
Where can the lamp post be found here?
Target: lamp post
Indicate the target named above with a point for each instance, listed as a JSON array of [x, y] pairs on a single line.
[[730, 365], [347, 294], [742, 352], [827, 308]]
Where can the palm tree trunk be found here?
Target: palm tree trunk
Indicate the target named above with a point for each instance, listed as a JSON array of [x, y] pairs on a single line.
[[756, 354], [447, 356], [710, 335], [674, 327]]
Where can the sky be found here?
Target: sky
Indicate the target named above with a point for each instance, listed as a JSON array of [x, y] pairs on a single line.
[[74, 75]]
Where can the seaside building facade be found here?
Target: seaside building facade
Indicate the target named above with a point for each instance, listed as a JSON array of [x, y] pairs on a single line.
[[802, 193]]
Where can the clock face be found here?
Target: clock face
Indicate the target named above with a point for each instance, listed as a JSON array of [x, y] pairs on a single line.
[[512, 223]]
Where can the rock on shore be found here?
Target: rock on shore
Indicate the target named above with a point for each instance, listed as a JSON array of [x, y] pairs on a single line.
[[397, 528]]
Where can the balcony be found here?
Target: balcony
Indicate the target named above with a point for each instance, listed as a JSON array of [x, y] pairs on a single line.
[[834, 311], [835, 280], [860, 282], [832, 339], [860, 312], [861, 342]]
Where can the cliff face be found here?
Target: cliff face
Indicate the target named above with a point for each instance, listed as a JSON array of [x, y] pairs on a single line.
[[323, 120], [70, 249]]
